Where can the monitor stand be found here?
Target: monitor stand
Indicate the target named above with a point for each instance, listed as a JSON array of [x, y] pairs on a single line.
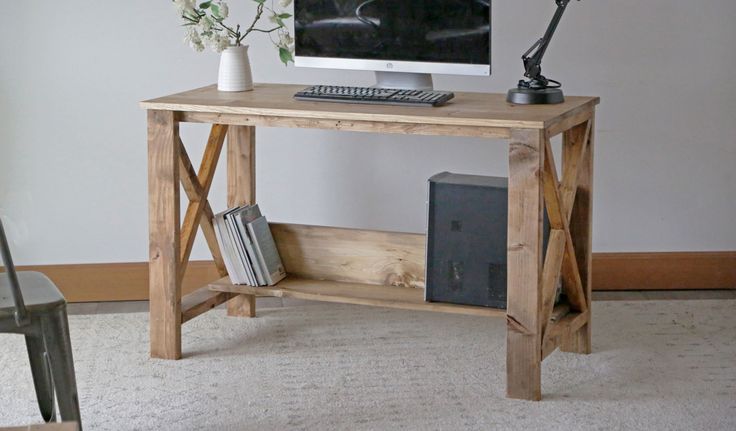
[[404, 80]]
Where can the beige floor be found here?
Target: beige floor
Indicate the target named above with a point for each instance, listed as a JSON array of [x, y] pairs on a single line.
[[628, 295], [656, 365]]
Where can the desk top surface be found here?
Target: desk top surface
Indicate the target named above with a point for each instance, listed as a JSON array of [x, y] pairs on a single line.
[[466, 109]]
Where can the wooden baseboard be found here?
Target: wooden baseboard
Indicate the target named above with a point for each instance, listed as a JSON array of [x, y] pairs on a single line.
[[664, 271], [93, 282], [611, 271]]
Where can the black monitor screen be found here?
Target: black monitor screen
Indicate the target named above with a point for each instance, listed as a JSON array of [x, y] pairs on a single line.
[[442, 31]]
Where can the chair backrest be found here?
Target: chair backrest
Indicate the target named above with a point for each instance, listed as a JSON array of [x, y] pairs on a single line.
[[21, 314]]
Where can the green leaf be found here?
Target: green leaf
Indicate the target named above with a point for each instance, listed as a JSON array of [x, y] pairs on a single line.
[[285, 56], [205, 5], [260, 1], [215, 10], [284, 15]]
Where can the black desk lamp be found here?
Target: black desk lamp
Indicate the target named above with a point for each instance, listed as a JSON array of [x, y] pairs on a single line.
[[538, 90]]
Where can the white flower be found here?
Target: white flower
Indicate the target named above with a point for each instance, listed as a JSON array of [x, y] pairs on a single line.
[[205, 24], [192, 38], [224, 9], [224, 43], [217, 42], [285, 39], [285, 3], [185, 6], [211, 40]]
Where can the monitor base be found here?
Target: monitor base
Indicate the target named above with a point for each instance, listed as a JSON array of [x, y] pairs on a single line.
[[529, 96], [404, 80]]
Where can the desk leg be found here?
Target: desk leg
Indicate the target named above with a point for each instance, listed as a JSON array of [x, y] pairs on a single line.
[[581, 231], [526, 204], [241, 190], [164, 227]]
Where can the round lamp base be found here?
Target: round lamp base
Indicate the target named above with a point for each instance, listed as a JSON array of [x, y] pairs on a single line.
[[528, 96]]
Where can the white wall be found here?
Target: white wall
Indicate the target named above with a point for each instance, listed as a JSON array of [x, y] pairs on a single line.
[[73, 143]]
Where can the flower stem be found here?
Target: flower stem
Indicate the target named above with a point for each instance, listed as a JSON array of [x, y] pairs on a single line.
[[233, 33], [259, 12], [266, 31]]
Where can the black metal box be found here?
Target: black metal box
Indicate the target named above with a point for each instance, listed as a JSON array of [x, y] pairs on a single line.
[[466, 240]]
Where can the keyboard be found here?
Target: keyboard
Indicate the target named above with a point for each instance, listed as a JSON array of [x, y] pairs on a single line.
[[371, 95]]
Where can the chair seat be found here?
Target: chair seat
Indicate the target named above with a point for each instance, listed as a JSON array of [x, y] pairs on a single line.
[[39, 293]]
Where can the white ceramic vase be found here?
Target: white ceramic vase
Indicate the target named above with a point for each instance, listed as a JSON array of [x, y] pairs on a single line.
[[235, 74]]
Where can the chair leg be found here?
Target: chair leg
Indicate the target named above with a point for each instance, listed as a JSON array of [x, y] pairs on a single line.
[[59, 348], [41, 376]]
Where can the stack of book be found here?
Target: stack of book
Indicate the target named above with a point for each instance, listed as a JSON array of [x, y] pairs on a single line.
[[247, 247]]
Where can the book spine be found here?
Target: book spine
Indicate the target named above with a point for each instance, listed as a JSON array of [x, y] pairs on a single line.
[[259, 255], [266, 251], [249, 248], [240, 249], [234, 258], [250, 253], [224, 250]]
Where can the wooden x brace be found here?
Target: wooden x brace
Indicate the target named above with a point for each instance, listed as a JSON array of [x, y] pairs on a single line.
[[560, 257], [199, 212]]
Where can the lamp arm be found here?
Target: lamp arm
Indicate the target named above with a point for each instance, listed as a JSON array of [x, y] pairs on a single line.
[[533, 62]]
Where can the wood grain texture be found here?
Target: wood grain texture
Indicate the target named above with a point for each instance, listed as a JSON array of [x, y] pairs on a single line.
[[523, 340], [571, 282], [241, 166], [242, 305], [581, 220], [405, 298], [164, 231], [346, 125], [664, 270], [351, 255], [466, 110], [190, 184], [203, 183], [575, 145], [241, 190], [569, 119], [201, 301], [551, 274], [568, 323], [118, 281], [563, 329]]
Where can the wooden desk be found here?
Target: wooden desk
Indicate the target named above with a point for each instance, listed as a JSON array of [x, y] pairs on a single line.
[[379, 268]]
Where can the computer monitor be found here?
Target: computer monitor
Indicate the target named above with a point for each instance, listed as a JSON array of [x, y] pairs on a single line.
[[404, 41]]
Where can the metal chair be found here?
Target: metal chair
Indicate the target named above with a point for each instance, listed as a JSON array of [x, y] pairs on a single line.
[[30, 304]]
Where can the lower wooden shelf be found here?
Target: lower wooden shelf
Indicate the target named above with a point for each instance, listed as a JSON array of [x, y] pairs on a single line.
[[406, 298]]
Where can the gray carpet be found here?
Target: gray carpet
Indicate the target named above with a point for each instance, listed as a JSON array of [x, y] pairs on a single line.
[[668, 365]]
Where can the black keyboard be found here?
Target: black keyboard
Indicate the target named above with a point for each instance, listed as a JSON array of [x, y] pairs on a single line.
[[380, 96]]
